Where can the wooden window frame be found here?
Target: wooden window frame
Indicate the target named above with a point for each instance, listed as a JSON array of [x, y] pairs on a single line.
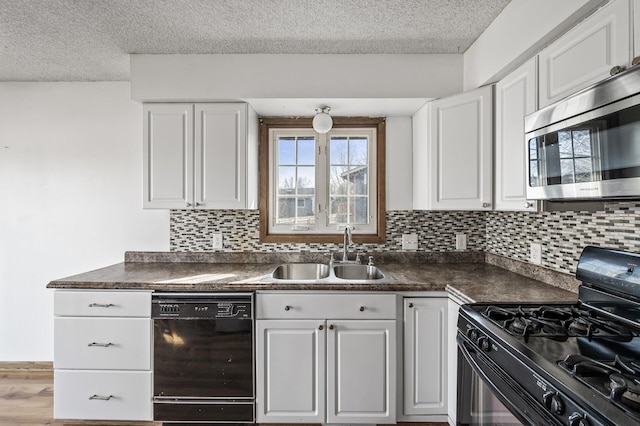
[[267, 123]]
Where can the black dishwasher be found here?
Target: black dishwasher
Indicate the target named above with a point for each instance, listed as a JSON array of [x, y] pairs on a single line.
[[203, 365]]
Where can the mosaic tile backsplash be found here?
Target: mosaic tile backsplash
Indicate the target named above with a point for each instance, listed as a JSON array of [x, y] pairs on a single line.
[[508, 234], [192, 230]]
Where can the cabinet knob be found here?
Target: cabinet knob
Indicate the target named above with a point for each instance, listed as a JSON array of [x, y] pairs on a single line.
[[198, 204], [616, 70], [485, 205], [331, 327], [189, 204], [411, 305], [321, 328], [635, 61], [528, 204], [287, 308], [362, 308]]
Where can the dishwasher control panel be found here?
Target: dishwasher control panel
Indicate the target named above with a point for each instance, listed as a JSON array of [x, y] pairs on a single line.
[[202, 306]]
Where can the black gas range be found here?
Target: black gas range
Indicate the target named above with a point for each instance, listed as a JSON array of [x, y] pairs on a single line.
[[563, 364]]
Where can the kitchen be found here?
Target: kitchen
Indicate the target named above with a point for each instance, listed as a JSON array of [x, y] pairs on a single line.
[[106, 219]]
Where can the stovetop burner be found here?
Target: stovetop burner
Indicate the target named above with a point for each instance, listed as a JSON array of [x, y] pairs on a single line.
[[617, 380], [556, 322]]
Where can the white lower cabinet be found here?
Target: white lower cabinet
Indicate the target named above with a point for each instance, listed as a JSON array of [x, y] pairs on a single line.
[[102, 355], [425, 357], [335, 369], [102, 395]]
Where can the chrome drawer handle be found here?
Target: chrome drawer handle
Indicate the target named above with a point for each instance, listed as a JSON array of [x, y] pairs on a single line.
[[95, 397], [104, 345], [101, 305]]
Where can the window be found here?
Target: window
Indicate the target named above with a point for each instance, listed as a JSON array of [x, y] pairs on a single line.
[[312, 185]]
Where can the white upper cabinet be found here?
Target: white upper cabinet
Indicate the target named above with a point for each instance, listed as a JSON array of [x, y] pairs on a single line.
[[515, 98], [452, 156], [200, 156], [587, 53], [636, 29]]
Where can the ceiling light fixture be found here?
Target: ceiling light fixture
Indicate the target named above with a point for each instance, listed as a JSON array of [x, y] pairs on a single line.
[[322, 122]]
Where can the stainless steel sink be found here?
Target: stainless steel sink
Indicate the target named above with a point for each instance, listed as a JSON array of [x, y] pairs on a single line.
[[301, 271], [357, 272]]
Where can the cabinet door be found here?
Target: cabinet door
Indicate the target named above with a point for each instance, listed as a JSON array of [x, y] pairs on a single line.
[[515, 98], [460, 145], [361, 371], [168, 156], [586, 54], [221, 155], [425, 356], [636, 29], [290, 371], [452, 364]]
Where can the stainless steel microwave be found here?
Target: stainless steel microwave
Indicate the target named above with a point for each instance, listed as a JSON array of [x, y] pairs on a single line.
[[587, 146]]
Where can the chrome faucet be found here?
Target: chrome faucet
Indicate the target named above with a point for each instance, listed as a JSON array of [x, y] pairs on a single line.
[[345, 247]]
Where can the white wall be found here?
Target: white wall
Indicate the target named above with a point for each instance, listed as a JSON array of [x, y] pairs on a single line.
[[522, 29], [240, 77], [71, 198], [399, 163]]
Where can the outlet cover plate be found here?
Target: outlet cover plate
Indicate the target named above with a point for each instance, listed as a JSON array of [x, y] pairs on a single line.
[[535, 253], [461, 241], [410, 242], [216, 241]]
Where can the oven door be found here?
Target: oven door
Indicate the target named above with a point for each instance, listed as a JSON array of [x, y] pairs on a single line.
[[487, 396]]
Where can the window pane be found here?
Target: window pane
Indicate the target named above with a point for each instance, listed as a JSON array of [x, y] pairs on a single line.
[[306, 180], [286, 210], [358, 152], [359, 209], [338, 147], [306, 212], [339, 180], [358, 180], [287, 150], [338, 210], [307, 150], [286, 180]]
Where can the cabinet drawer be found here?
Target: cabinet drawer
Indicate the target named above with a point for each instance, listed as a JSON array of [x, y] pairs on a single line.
[[102, 303], [102, 343], [326, 306], [102, 395]]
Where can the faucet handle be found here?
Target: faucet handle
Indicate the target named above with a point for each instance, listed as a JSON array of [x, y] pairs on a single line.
[[358, 254], [370, 261]]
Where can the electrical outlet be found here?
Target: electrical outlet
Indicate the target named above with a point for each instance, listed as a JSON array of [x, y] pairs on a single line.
[[217, 241], [461, 241], [410, 242], [535, 253]]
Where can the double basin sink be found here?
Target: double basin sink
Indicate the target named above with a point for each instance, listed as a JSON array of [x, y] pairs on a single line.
[[322, 272]]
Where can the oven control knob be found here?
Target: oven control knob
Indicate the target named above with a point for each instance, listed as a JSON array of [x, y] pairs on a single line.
[[553, 402], [472, 334], [577, 419], [485, 344]]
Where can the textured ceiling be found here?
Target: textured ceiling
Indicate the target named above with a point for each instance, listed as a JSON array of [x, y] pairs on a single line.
[[89, 40]]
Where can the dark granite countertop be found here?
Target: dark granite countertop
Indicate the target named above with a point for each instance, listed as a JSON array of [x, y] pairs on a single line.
[[468, 281]]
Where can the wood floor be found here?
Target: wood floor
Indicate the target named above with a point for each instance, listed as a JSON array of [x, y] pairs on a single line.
[[26, 399]]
